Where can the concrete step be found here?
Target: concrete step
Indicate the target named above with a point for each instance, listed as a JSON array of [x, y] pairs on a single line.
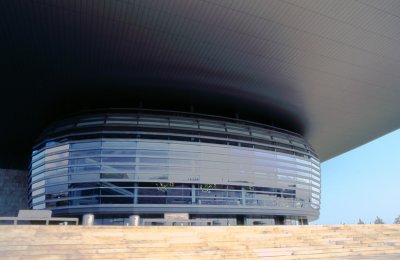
[[272, 242]]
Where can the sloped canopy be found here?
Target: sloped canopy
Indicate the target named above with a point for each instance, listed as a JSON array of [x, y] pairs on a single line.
[[329, 70]]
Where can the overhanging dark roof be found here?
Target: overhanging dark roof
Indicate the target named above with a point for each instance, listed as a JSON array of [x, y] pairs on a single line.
[[326, 69]]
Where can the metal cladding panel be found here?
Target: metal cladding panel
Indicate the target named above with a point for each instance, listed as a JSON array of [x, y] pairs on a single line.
[[325, 69]]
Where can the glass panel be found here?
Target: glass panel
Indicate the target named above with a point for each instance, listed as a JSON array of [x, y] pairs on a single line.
[[37, 170], [60, 179], [37, 192], [212, 126], [56, 156], [38, 162], [125, 143], [114, 176], [153, 160], [37, 177], [118, 152], [116, 200], [184, 123], [118, 159], [85, 153], [153, 121], [37, 156], [38, 199], [117, 168], [85, 145], [84, 177], [98, 122], [237, 129], [121, 120], [56, 164], [39, 206], [152, 153], [56, 188], [84, 169], [38, 184], [57, 149], [56, 172], [90, 160]]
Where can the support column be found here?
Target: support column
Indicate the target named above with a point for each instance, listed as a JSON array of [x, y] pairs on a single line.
[[243, 196], [135, 194], [134, 220], [193, 194], [88, 220]]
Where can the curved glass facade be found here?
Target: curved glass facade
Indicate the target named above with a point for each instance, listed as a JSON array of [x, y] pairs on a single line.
[[151, 162]]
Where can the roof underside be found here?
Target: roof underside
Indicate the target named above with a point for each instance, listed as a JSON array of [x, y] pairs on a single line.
[[329, 70]]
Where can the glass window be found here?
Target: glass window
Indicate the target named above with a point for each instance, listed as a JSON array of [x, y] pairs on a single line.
[[37, 155], [264, 154], [38, 199], [56, 172], [37, 177], [86, 201], [56, 188], [94, 122], [89, 160], [191, 155], [184, 123], [152, 169], [118, 152], [260, 133], [78, 169], [85, 153], [37, 192], [238, 129], [114, 190], [39, 206], [56, 156], [143, 120], [125, 143], [38, 184], [82, 193], [153, 160], [114, 176], [51, 143], [37, 170], [56, 164], [84, 177], [60, 179], [85, 145], [116, 200], [118, 159], [38, 162], [314, 171], [126, 120], [153, 145], [152, 153], [180, 162], [212, 126], [57, 149], [117, 168], [57, 195]]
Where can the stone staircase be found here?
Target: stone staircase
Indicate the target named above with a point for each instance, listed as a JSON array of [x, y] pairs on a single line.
[[240, 242]]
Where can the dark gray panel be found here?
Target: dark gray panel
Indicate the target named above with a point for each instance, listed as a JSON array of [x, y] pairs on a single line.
[[13, 191], [325, 69]]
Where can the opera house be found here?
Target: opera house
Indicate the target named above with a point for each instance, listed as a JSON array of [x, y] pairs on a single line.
[[220, 111]]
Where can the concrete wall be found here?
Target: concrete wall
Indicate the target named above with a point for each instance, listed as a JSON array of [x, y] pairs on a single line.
[[13, 191]]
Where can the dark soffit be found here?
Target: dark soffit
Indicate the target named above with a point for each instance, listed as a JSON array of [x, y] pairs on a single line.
[[329, 70]]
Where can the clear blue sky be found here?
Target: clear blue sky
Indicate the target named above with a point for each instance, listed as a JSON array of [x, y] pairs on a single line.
[[362, 183]]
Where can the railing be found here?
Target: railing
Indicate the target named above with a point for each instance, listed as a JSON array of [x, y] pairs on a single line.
[[165, 222], [37, 215]]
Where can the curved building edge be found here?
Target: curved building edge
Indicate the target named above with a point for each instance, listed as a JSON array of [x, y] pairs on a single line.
[[149, 163]]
